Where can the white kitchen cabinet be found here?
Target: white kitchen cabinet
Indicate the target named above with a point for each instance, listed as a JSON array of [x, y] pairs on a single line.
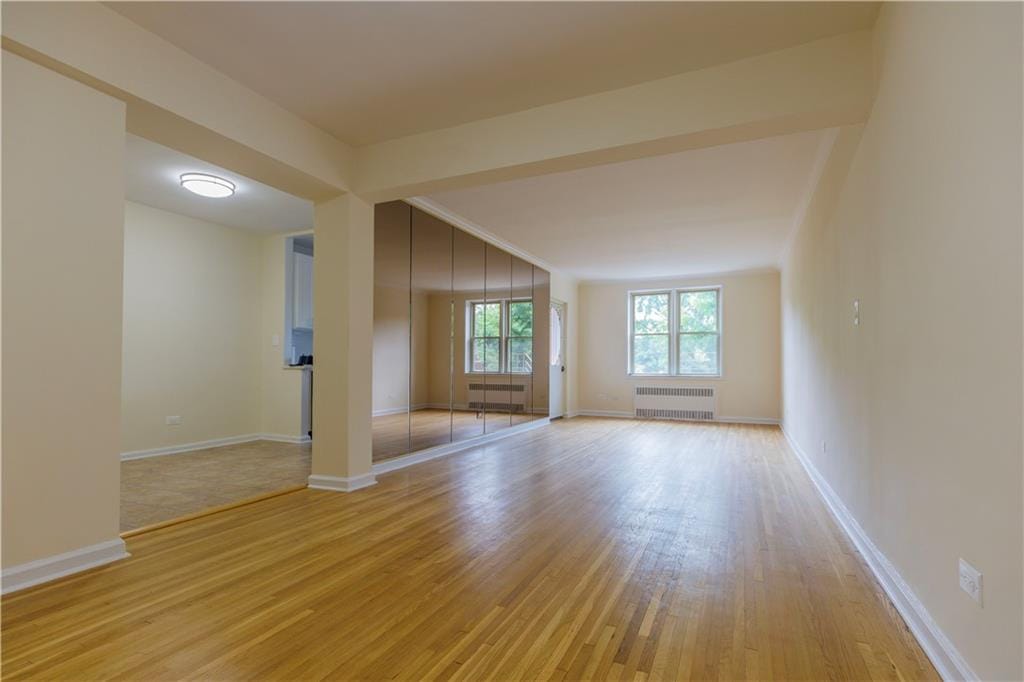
[[302, 289]]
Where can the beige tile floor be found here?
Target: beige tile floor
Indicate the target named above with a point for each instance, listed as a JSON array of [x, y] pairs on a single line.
[[162, 488]]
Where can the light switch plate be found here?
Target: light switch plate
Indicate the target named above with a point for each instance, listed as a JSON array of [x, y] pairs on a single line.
[[971, 581], [856, 312], [173, 421]]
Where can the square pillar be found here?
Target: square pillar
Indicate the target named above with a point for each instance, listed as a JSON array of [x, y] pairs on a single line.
[[343, 345]]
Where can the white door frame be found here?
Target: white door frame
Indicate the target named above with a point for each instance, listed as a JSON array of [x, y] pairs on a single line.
[[557, 371]]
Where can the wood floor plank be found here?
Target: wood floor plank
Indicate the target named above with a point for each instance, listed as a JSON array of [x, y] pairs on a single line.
[[590, 549]]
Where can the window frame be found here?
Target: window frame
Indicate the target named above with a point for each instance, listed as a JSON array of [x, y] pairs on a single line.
[[507, 331], [504, 337], [675, 331], [472, 337]]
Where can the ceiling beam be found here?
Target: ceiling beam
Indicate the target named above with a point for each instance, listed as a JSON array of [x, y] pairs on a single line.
[[177, 100], [821, 84]]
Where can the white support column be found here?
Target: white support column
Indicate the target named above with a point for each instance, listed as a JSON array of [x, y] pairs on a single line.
[[343, 345]]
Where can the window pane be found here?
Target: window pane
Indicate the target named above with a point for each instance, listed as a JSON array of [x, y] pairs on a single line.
[[520, 355], [698, 353], [650, 314], [520, 321], [487, 319], [698, 311], [650, 354], [486, 355]]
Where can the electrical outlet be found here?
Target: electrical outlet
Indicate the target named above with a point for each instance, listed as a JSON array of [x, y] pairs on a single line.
[[173, 421], [824, 447], [856, 312], [971, 581], [275, 340]]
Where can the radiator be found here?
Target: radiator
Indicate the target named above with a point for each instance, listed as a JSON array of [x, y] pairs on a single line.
[[504, 396], [674, 402]]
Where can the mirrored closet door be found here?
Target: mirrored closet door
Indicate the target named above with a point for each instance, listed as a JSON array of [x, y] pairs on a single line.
[[460, 335], [430, 409], [391, 339]]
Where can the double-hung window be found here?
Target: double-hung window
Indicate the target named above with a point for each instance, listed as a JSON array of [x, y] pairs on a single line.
[[500, 338], [676, 332], [485, 336], [519, 341]]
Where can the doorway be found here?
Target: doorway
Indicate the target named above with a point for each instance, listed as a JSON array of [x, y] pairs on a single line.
[[559, 324]]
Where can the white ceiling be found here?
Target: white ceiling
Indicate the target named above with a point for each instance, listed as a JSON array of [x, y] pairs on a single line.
[[368, 71], [720, 209], [152, 174]]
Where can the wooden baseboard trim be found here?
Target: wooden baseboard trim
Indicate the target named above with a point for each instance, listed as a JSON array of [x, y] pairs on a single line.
[[135, 532]]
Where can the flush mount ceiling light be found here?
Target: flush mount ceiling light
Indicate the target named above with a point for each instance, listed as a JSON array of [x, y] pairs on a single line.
[[206, 185]]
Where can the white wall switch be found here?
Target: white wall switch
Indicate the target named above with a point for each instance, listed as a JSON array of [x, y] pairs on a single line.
[[856, 312], [275, 340], [173, 421], [970, 581]]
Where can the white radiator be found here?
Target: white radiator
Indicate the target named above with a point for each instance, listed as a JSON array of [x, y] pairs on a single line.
[[505, 396], [674, 402]]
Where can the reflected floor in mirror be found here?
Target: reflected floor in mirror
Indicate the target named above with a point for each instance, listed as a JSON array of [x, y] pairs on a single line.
[[432, 427]]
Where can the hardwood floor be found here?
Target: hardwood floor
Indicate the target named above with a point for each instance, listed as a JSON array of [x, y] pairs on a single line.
[[590, 549], [157, 489]]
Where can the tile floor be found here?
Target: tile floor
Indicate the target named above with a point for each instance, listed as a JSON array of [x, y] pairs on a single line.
[[162, 488]]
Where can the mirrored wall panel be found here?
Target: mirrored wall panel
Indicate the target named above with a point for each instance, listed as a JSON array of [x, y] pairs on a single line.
[[430, 399], [492, 337], [468, 284], [519, 342], [460, 335], [542, 355], [391, 338]]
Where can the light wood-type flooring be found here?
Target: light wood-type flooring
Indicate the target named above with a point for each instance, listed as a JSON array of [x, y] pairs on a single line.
[[588, 549]]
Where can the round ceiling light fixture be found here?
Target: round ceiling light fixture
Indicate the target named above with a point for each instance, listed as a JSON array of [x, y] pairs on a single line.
[[206, 185]]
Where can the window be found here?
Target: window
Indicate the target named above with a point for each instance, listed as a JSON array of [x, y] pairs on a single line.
[[519, 343], [485, 337], [651, 335], [698, 332], [675, 332], [500, 337]]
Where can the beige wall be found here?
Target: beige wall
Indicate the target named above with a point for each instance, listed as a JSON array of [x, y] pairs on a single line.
[[63, 217], [192, 317], [281, 388], [202, 305], [749, 386], [914, 416]]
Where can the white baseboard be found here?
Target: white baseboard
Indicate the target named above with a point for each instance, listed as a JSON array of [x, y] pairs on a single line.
[[339, 484], [389, 410], [188, 447], [747, 420], [936, 645], [60, 565], [618, 414], [449, 448], [622, 414], [215, 443], [283, 438]]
